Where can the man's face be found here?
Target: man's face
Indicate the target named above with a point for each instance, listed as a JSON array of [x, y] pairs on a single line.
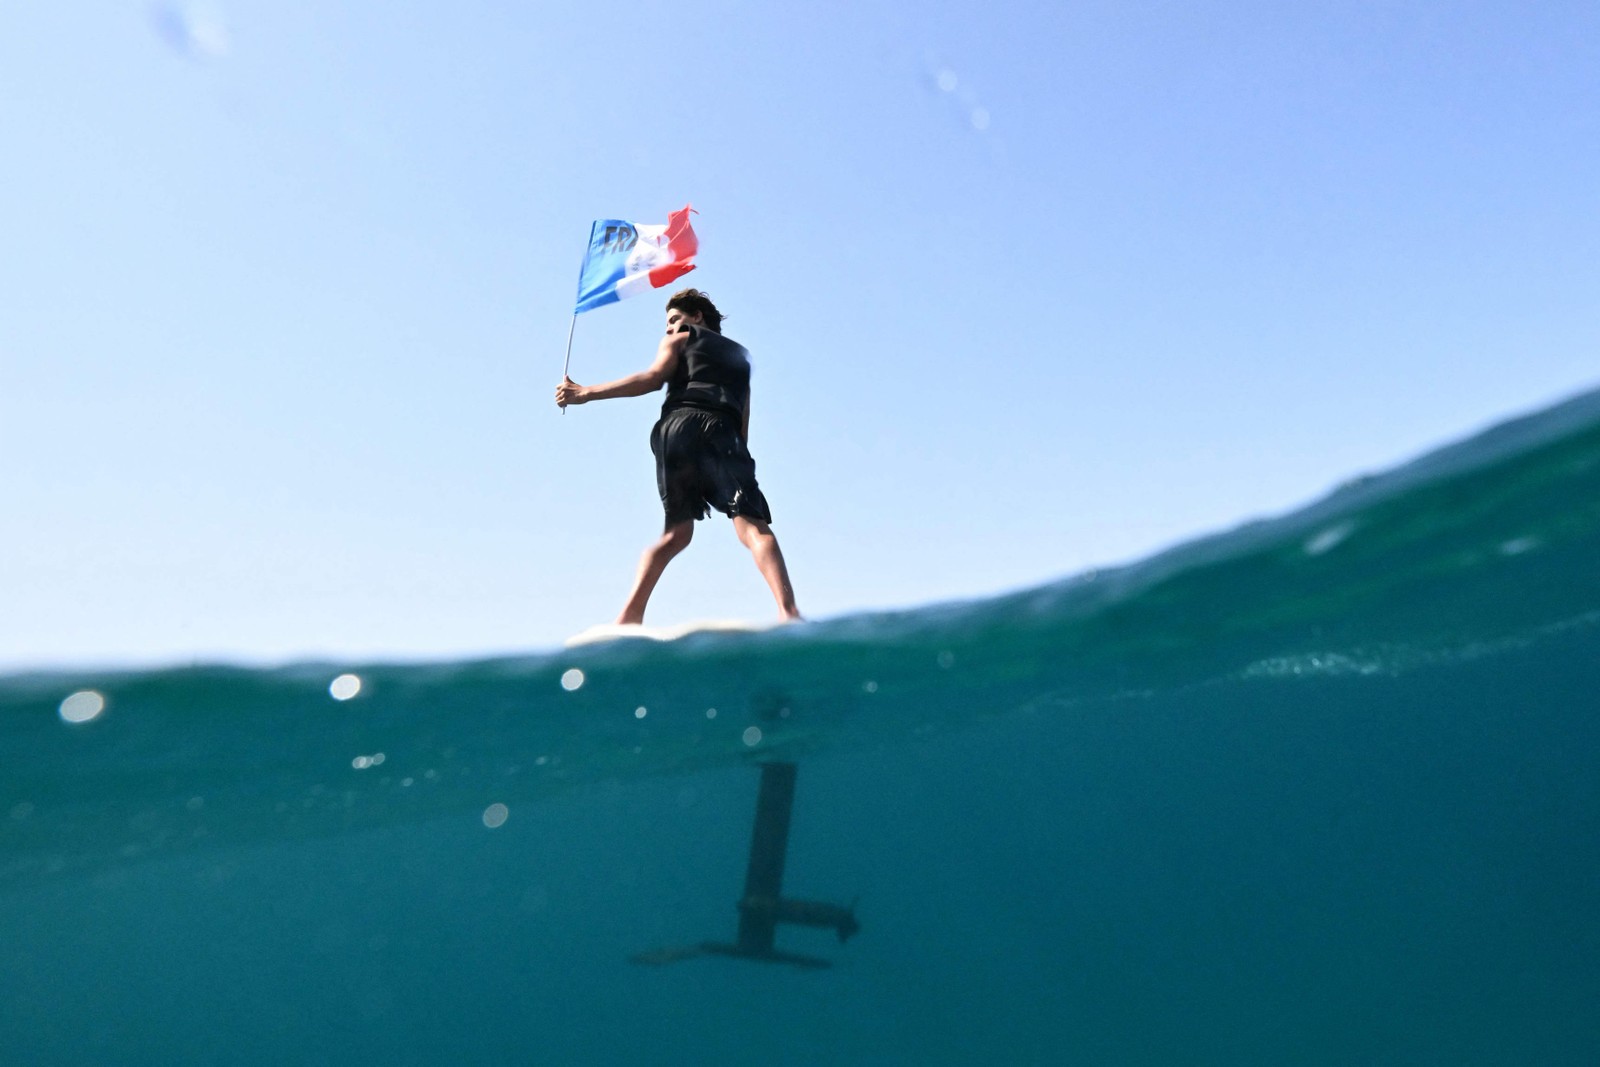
[[678, 319]]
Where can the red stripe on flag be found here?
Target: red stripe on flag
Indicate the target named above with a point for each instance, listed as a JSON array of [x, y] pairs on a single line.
[[682, 245]]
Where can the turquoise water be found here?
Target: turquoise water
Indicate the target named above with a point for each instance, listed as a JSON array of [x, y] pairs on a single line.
[[1322, 789]]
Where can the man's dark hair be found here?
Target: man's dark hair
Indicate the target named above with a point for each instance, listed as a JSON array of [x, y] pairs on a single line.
[[694, 302]]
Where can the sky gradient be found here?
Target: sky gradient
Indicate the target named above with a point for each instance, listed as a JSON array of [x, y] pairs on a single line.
[[1028, 288]]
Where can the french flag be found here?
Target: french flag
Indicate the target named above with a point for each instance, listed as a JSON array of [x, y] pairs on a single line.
[[626, 258]]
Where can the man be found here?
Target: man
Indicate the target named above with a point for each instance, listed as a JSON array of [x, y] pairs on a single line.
[[699, 444]]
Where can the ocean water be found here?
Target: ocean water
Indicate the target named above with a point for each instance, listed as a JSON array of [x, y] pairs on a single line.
[[1324, 789]]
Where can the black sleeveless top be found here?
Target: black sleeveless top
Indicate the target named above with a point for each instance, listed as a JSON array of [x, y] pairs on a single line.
[[713, 374]]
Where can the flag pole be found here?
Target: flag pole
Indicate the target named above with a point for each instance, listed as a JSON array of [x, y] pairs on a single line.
[[568, 361]]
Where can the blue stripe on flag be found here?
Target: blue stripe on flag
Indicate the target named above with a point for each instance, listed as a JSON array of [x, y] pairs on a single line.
[[610, 241]]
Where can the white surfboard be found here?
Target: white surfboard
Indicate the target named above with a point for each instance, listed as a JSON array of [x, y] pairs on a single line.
[[624, 631]]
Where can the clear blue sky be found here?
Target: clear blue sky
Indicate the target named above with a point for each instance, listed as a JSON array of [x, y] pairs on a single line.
[[1029, 288]]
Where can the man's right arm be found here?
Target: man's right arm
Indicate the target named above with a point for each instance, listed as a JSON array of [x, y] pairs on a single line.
[[646, 381]]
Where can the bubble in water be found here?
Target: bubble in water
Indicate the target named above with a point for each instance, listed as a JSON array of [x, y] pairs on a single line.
[[1329, 538], [952, 87], [494, 816], [639, 713], [83, 706], [571, 679], [947, 659], [196, 30], [344, 687], [869, 687], [711, 713], [752, 736]]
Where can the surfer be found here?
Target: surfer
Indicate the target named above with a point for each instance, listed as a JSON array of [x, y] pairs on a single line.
[[699, 442]]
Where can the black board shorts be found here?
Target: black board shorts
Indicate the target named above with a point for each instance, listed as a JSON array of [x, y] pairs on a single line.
[[701, 463]]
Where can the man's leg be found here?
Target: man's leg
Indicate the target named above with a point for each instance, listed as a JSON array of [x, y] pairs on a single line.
[[654, 561], [757, 536]]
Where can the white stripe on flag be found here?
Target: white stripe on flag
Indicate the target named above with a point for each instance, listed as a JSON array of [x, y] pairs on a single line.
[[633, 285]]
